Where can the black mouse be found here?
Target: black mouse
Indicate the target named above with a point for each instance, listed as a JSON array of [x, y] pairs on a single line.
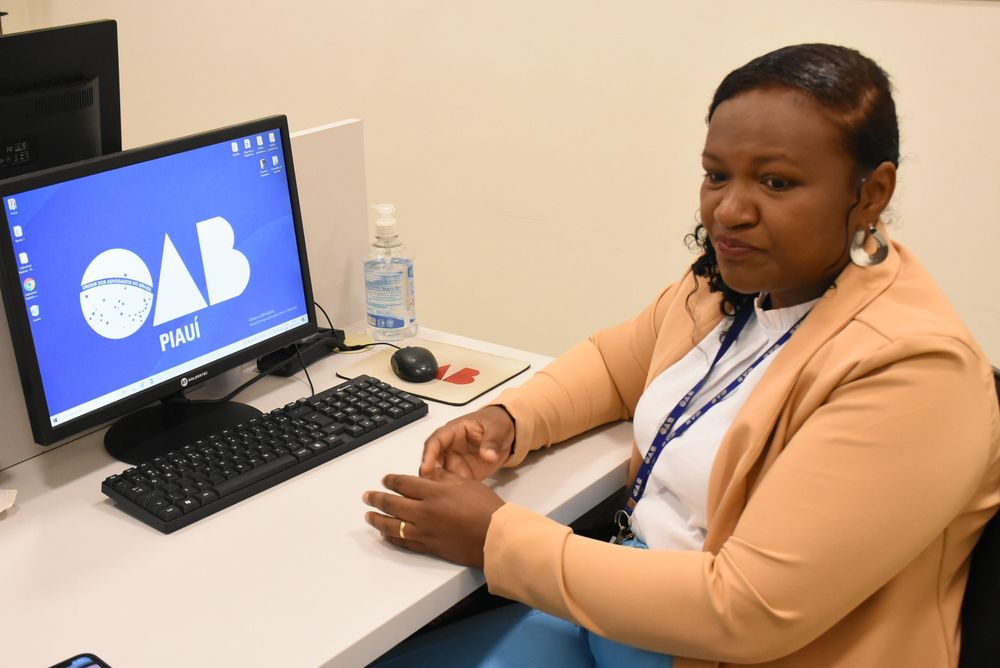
[[414, 364]]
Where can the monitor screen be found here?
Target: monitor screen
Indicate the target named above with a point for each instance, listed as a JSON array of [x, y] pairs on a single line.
[[59, 96], [138, 275]]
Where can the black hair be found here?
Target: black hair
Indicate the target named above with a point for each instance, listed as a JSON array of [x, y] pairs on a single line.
[[851, 87]]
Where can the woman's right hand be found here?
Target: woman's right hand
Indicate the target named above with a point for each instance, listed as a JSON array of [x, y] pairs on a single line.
[[473, 446]]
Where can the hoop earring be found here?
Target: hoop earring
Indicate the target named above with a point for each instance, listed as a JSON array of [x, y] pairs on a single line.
[[860, 256]]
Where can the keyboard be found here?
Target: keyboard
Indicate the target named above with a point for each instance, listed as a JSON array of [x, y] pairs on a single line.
[[198, 479]]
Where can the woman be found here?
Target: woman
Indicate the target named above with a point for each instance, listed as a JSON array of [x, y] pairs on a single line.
[[817, 433]]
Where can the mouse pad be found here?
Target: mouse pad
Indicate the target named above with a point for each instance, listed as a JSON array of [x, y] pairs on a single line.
[[462, 375]]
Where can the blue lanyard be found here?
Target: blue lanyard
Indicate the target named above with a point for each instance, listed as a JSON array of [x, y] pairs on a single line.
[[667, 432]]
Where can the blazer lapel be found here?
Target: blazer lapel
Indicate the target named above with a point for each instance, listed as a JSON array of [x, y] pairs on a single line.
[[677, 341], [744, 443]]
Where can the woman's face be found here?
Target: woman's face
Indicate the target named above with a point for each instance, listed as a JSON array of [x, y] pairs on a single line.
[[777, 193]]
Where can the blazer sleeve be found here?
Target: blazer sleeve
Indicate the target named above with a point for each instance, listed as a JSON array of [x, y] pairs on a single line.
[[907, 435], [595, 382]]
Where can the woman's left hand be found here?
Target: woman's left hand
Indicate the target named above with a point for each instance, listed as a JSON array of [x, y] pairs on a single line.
[[445, 515]]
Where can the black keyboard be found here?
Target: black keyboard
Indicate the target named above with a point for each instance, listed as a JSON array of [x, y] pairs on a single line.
[[198, 479]]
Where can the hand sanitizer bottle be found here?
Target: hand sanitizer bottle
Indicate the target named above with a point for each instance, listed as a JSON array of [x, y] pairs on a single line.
[[389, 282]]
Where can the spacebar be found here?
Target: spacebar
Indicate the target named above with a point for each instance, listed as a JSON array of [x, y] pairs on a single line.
[[254, 475]]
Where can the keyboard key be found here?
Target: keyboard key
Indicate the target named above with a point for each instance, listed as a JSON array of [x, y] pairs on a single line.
[[334, 429], [155, 504], [135, 491], [319, 419], [152, 500], [169, 512], [302, 453], [318, 447], [252, 476], [299, 411], [206, 496], [187, 505], [334, 441]]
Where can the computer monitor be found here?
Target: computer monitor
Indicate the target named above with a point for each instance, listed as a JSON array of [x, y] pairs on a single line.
[[59, 99], [134, 277]]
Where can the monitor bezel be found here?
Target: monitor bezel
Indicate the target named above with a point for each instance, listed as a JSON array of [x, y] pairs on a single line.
[[17, 314]]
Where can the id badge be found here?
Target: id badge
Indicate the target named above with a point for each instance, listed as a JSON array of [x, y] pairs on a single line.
[[624, 522]]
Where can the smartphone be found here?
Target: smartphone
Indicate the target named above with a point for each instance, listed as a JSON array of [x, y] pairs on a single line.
[[82, 661]]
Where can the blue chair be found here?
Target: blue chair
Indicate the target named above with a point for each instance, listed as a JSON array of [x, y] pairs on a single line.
[[981, 606]]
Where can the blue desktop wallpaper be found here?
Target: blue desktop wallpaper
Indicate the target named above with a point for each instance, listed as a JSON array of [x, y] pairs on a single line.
[[118, 282]]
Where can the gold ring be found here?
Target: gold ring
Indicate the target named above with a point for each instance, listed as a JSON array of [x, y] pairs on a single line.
[[402, 530]]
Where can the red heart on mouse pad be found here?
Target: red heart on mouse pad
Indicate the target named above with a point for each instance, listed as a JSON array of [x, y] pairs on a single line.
[[463, 377]]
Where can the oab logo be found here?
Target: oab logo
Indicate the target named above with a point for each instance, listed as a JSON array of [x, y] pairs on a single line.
[[116, 291]]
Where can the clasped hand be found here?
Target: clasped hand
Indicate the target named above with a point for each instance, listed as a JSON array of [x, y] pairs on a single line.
[[446, 511]]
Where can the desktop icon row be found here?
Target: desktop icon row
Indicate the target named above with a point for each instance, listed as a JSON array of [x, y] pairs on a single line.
[[247, 145]]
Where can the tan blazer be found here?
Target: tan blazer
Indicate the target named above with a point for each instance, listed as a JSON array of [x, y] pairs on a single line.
[[842, 506]]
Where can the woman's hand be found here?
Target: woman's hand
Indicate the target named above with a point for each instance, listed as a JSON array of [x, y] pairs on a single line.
[[473, 446], [445, 515]]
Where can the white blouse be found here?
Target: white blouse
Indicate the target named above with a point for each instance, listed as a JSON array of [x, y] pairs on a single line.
[[672, 513]]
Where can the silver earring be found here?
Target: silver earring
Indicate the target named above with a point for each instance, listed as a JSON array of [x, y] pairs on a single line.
[[860, 256]]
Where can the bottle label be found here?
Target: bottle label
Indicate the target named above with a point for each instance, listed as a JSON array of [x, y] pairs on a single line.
[[389, 295], [383, 322]]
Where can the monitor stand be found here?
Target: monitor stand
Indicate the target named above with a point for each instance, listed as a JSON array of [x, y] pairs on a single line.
[[174, 422]]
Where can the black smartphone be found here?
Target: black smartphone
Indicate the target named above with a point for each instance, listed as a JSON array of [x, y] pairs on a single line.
[[82, 661]]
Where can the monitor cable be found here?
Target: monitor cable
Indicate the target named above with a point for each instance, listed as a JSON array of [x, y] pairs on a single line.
[[325, 314], [305, 370], [332, 338]]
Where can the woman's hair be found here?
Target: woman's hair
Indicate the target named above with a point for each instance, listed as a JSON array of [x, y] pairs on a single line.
[[851, 87]]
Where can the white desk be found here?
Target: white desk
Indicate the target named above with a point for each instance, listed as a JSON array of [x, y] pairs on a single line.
[[290, 577]]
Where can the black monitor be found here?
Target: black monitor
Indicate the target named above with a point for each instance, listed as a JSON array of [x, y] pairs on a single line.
[[134, 277], [59, 99]]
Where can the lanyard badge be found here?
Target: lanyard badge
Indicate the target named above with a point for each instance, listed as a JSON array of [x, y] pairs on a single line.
[[669, 430], [624, 523]]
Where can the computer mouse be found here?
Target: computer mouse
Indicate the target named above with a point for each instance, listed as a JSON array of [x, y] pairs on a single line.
[[414, 364]]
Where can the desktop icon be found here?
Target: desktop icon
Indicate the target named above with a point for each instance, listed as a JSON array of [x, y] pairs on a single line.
[[29, 284], [274, 160], [235, 147], [23, 258], [34, 310], [18, 232], [246, 143], [12, 204], [270, 137], [260, 140], [263, 163]]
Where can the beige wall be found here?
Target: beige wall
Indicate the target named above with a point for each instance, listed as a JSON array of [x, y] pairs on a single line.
[[543, 155]]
